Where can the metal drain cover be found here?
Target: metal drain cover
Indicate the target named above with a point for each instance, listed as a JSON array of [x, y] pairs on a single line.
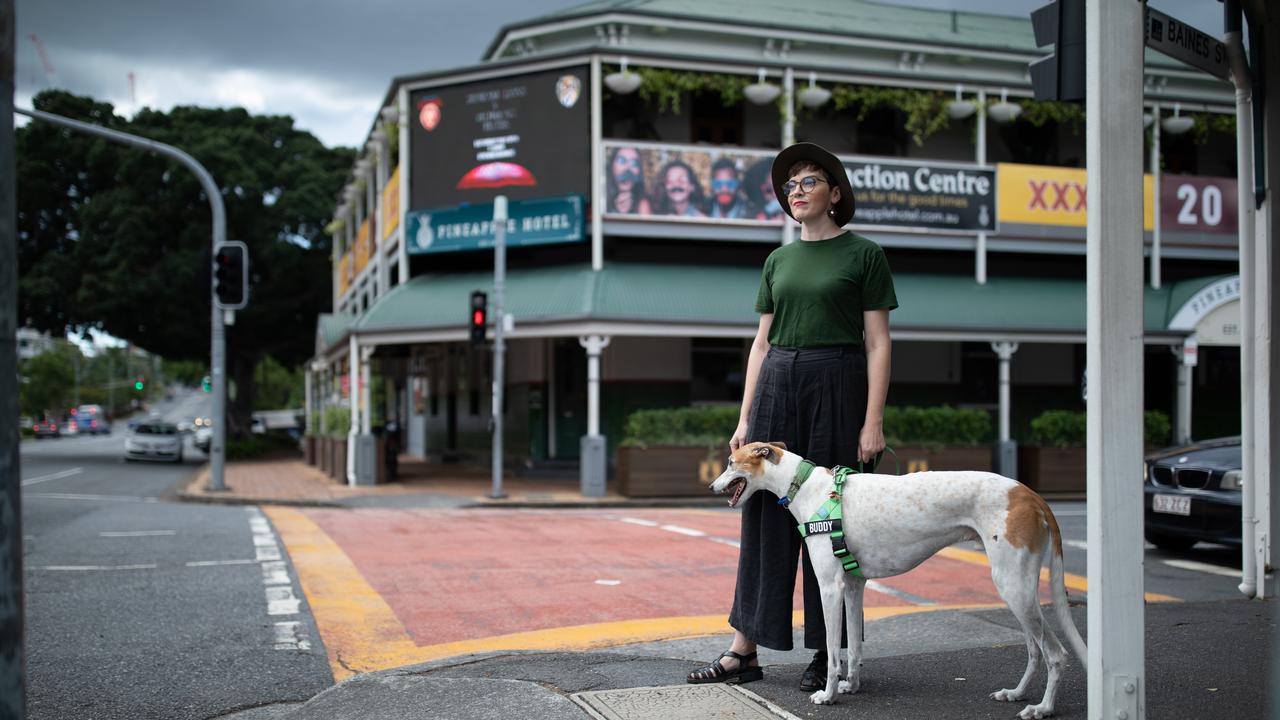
[[674, 701]]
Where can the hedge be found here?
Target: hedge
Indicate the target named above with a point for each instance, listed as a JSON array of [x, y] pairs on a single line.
[[708, 426], [1068, 428], [943, 425]]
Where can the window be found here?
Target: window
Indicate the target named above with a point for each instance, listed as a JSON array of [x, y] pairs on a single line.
[[718, 369]]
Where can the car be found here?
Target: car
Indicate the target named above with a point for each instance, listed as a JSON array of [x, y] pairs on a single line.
[[154, 440], [1192, 494], [203, 438], [45, 428], [92, 418], [257, 426], [68, 426]]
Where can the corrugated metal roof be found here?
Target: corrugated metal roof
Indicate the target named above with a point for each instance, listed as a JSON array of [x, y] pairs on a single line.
[[720, 295]]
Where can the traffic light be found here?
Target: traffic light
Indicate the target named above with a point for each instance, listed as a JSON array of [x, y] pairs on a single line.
[[479, 316], [231, 275], [140, 383], [206, 384], [1059, 76]]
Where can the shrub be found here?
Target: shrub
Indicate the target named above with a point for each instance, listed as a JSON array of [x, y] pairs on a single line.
[[709, 426], [337, 421], [1067, 428], [255, 446], [943, 425]]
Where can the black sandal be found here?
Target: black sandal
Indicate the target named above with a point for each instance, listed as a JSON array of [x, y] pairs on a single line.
[[715, 672]]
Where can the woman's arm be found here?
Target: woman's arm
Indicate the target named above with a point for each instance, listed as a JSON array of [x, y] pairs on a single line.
[[876, 341], [759, 348]]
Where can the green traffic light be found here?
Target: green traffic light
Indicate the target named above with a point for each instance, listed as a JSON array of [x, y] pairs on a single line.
[[138, 385]]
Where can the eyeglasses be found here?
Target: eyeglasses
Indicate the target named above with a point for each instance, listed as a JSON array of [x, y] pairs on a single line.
[[806, 184]]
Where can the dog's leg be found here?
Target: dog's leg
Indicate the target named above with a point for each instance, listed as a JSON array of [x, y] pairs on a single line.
[[853, 587], [1016, 573], [830, 577]]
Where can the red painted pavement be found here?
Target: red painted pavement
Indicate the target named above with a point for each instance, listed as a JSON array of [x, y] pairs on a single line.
[[462, 574]]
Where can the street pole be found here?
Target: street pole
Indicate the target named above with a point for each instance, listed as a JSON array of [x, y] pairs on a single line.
[[1113, 136], [788, 139], [499, 343], [217, 449], [12, 633]]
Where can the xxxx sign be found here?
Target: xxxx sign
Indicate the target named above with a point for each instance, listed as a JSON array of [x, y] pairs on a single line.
[[1040, 195]]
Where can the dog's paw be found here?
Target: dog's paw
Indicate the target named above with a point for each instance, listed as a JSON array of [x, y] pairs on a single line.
[[850, 686], [1035, 712], [822, 697], [1006, 695]]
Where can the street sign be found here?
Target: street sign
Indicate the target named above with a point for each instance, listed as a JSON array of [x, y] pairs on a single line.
[[1182, 42]]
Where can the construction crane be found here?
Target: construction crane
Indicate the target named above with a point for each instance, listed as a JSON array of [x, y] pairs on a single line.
[[49, 73]]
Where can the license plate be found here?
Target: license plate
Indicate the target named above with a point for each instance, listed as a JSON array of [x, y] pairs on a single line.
[[1171, 504]]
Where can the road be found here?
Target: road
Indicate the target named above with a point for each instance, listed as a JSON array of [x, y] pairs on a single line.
[[138, 606], [142, 607]]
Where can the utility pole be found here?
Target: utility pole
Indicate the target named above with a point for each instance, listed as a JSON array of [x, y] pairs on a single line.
[[499, 342], [12, 633]]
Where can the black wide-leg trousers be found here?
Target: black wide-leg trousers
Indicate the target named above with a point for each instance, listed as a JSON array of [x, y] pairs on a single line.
[[815, 401]]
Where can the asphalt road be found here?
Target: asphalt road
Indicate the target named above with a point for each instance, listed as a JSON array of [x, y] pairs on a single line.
[[138, 606]]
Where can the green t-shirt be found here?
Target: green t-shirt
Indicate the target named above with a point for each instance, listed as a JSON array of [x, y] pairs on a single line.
[[817, 290]]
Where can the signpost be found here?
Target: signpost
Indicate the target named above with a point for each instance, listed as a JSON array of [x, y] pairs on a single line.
[[1182, 42]]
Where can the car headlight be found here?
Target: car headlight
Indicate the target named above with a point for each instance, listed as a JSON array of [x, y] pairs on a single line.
[[1146, 471], [1231, 480]]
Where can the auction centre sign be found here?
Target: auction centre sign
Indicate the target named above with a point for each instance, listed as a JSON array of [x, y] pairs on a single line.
[[928, 196]]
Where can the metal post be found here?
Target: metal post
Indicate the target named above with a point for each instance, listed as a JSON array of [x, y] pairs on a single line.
[[1006, 452], [788, 139], [592, 458], [1186, 370], [353, 401], [1248, 345], [1113, 86], [217, 449], [597, 167], [12, 631], [980, 262], [1155, 183], [499, 342], [402, 102], [1268, 407]]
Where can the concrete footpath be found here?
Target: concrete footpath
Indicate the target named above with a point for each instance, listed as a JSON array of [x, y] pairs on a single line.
[[1203, 660]]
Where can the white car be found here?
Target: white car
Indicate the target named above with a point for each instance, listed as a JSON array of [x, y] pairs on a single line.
[[154, 440]]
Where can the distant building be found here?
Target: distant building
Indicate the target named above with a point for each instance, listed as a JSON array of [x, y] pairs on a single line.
[[32, 342]]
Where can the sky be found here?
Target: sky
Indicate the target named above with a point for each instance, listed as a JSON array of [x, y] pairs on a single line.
[[327, 63]]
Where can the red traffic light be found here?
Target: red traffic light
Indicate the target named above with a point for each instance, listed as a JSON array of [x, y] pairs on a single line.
[[479, 319]]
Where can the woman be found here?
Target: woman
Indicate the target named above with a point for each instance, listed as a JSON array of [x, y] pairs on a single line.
[[816, 380], [626, 183], [682, 195]]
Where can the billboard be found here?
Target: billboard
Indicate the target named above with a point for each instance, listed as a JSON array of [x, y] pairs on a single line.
[[697, 184], [523, 136]]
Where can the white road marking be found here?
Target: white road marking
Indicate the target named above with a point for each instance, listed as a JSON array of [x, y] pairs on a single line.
[[268, 553], [1202, 567], [52, 476], [900, 594], [275, 573], [83, 568], [683, 530], [280, 601], [92, 498], [1077, 544], [138, 533], [287, 637], [267, 540], [726, 541], [214, 563], [639, 521], [1070, 513], [609, 582]]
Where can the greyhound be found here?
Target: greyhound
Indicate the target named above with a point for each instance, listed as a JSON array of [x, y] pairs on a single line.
[[892, 523]]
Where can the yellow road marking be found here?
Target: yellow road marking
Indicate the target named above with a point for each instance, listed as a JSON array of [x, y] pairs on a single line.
[[361, 632], [1071, 580]]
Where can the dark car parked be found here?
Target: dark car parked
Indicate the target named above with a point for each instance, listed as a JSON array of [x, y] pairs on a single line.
[[1192, 493], [46, 428]]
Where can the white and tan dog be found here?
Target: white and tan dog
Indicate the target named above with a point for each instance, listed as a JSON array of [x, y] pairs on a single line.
[[894, 523]]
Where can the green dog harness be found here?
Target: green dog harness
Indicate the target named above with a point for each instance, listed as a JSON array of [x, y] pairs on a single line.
[[829, 519]]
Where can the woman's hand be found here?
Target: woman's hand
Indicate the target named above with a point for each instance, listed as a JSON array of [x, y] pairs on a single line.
[[739, 436], [870, 442]]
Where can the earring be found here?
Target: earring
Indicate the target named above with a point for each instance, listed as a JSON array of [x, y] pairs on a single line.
[[831, 212]]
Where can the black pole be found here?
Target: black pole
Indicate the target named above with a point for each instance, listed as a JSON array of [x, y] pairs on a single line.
[[12, 634]]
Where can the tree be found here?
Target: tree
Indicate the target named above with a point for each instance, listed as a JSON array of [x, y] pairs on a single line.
[[118, 239], [47, 381]]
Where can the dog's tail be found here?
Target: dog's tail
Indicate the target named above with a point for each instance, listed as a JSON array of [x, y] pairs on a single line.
[[1057, 586]]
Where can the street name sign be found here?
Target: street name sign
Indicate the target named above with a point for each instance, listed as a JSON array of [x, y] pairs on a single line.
[[1182, 42]]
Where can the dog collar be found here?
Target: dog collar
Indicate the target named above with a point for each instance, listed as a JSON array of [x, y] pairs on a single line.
[[802, 473]]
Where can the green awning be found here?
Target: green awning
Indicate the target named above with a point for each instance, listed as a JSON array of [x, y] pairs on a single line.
[[689, 298]]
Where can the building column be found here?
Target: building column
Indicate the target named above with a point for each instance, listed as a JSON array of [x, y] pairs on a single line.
[[307, 400], [366, 391], [593, 462], [353, 393], [980, 251], [1188, 357], [1006, 452]]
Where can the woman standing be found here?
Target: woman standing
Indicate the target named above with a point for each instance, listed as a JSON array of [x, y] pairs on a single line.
[[817, 378]]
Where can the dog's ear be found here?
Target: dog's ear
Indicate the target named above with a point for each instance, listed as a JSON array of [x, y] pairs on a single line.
[[778, 444], [767, 452]]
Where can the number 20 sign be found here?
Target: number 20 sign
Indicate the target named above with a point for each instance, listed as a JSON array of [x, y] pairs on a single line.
[[1202, 204]]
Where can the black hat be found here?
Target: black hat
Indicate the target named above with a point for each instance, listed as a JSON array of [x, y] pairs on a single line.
[[819, 156]]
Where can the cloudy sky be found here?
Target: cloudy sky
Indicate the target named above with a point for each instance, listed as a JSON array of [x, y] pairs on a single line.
[[327, 63]]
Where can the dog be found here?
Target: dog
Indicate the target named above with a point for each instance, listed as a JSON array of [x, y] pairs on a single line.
[[893, 523]]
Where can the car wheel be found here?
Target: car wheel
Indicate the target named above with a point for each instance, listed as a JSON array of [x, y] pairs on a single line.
[[1170, 542]]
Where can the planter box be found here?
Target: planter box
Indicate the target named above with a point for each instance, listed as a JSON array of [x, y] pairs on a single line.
[[1052, 470], [666, 471], [309, 449], [323, 454], [338, 459], [918, 458]]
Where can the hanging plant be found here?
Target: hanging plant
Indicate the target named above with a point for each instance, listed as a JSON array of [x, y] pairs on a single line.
[[335, 227], [925, 110], [664, 89], [1042, 112], [1206, 123]]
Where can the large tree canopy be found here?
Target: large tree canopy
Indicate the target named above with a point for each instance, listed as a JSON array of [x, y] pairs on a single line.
[[116, 238]]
